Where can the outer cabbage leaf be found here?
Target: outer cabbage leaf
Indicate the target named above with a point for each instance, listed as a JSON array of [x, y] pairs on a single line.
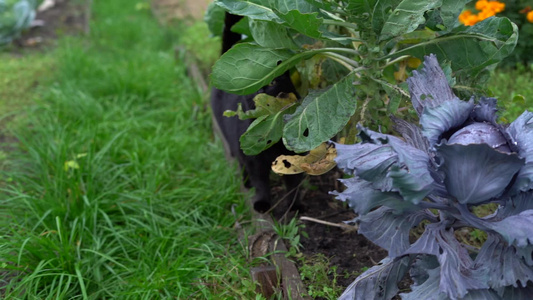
[[512, 206], [438, 120], [485, 110], [389, 163], [516, 228], [390, 230], [362, 198], [379, 282], [476, 173], [368, 161], [456, 275], [428, 290], [411, 134], [427, 243], [419, 268], [500, 264], [521, 133], [430, 82], [410, 177], [517, 293]]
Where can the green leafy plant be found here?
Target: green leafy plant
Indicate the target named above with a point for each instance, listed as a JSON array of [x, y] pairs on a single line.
[[350, 58]]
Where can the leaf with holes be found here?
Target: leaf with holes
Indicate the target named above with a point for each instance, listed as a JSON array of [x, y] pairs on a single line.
[[321, 116], [263, 133]]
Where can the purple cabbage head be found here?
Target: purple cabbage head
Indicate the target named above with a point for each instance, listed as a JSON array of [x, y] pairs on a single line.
[[458, 158]]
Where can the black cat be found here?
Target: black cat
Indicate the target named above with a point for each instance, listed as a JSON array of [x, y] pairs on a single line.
[[256, 169]]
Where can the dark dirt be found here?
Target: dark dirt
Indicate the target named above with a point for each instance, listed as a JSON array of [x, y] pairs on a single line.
[[350, 252], [66, 17]]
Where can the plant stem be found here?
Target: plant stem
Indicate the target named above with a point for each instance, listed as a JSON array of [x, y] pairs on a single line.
[[342, 24], [392, 62], [345, 59], [341, 50]]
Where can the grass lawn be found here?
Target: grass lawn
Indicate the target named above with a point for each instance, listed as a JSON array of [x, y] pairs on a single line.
[[117, 189]]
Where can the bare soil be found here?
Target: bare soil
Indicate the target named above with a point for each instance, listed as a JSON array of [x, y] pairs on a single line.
[[348, 251], [66, 17]]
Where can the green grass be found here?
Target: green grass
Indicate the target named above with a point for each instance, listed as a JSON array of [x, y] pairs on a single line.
[[21, 75], [118, 189], [512, 88]]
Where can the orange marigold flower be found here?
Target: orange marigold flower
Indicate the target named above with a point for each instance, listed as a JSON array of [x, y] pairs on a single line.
[[467, 18], [481, 4], [485, 14], [497, 6], [529, 16]]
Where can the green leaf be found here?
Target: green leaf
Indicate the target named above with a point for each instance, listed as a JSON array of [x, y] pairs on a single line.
[[381, 13], [246, 68], [450, 11], [321, 116], [271, 35], [284, 6], [252, 9], [470, 49], [360, 7], [214, 18], [395, 97], [406, 17], [242, 27], [263, 133], [308, 24]]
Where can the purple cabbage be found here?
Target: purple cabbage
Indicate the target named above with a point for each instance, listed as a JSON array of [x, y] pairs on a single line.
[[459, 158]]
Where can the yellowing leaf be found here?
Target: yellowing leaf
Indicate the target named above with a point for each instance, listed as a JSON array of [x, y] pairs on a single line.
[[317, 162], [413, 62], [264, 105]]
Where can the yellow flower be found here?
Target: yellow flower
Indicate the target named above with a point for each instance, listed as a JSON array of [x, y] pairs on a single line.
[[529, 16]]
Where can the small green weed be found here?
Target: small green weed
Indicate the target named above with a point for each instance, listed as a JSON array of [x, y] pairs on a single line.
[[291, 232], [316, 272]]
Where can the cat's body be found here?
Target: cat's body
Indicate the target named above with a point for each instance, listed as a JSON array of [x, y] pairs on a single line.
[[256, 169]]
